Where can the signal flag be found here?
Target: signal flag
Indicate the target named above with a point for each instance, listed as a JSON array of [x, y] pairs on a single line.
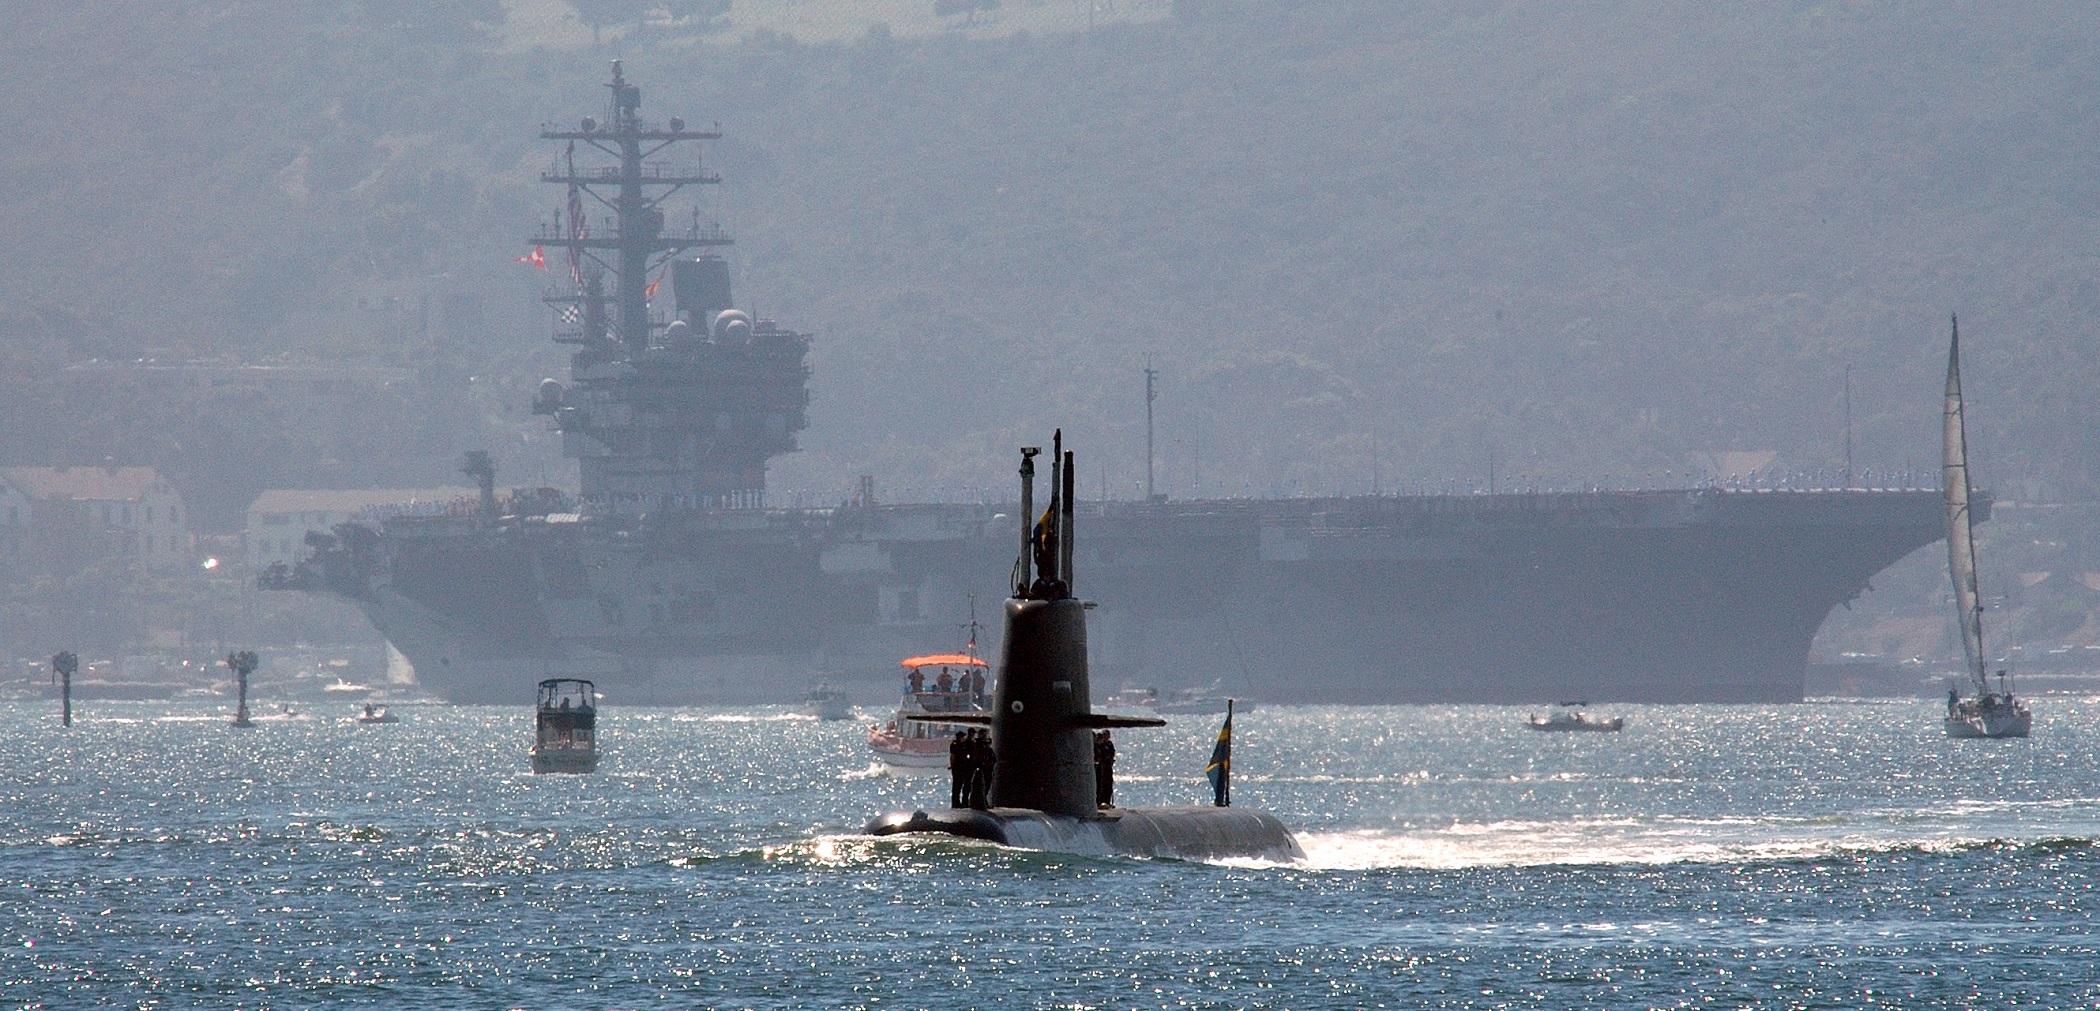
[[538, 258], [1219, 771]]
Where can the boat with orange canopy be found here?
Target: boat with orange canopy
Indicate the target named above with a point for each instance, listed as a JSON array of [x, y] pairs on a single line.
[[933, 684]]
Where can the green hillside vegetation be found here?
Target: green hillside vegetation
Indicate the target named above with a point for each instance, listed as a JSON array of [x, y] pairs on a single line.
[[1369, 244]]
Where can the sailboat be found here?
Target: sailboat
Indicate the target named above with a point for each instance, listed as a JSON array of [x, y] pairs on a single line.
[[1985, 712]]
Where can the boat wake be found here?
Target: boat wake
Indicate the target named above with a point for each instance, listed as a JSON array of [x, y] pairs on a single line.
[[1465, 846], [743, 718], [1602, 843], [875, 770]]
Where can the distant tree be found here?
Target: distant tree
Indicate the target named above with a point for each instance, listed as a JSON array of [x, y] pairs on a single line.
[[442, 21], [697, 13], [951, 8], [603, 14]]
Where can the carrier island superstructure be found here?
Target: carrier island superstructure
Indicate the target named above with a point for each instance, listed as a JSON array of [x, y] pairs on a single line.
[[672, 580]]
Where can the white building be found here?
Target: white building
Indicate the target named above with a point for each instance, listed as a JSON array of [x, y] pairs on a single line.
[[280, 519], [135, 503], [16, 510]]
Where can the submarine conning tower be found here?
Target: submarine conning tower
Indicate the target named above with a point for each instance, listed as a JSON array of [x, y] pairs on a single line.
[[1042, 724], [1042, 707], [1042, 710]]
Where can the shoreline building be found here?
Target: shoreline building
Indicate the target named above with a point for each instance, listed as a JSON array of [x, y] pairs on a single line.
[[139, 513]]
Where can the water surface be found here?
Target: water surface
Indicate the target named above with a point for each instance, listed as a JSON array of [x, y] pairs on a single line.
[[1821, 855]]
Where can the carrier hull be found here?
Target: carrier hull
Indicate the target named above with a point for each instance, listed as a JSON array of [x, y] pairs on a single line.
[[1685, 596]]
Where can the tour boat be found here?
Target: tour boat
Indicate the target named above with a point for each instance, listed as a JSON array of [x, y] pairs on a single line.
[[934, 684]]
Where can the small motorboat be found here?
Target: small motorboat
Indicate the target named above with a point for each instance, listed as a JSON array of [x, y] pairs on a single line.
[[565, 732], [377, 714], [1131, 699], [1571, 717], [826, 702], [1203, 701]]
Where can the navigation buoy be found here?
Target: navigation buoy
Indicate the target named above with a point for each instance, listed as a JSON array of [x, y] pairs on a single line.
[[243, 663], [62, 666]]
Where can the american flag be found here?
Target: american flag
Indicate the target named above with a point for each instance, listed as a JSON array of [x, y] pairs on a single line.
[[578, 228]]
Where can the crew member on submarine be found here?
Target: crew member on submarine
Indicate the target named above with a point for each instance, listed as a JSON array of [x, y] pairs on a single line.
[[1043, 791], [1104, 769]]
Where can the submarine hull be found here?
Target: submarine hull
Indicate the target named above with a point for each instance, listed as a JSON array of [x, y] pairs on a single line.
[[1187, 833]]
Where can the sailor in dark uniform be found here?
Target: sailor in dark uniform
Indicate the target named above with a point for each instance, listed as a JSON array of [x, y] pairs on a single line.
[[982, 758], [958, 770], [1104, 769]]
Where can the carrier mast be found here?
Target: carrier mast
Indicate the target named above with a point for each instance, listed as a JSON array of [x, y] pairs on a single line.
[[673, 403], [634, 190]]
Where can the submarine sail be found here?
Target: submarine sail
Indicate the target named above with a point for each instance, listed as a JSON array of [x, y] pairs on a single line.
[[1044, 794]]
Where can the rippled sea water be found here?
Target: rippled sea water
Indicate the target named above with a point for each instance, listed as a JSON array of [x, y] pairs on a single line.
[[1820, 855]]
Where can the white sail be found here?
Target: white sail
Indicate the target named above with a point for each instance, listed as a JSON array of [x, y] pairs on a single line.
[[1961, 534]]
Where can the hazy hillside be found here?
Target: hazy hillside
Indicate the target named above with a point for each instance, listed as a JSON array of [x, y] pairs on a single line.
[[1366, 242]]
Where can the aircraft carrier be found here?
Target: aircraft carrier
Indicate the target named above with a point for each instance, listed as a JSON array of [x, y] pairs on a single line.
[[670, 579]]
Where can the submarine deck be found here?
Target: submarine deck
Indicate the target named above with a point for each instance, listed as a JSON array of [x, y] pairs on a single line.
[[1188, 833]]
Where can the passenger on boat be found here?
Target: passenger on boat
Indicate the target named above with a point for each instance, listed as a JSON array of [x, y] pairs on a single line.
[[946, 682], [918, 681]]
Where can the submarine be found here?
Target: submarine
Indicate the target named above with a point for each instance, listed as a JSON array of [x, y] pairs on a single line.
[[1042, 793]]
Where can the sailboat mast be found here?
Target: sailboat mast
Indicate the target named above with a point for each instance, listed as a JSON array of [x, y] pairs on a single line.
[[1961, 529]]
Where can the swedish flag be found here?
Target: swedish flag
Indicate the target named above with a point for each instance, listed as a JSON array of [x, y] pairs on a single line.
[[1219, 771]]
